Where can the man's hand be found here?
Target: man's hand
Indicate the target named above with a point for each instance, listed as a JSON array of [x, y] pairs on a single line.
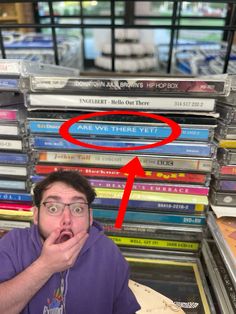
[[61, 256]]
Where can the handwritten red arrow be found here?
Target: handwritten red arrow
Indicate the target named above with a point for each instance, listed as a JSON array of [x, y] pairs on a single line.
[[132, 168]]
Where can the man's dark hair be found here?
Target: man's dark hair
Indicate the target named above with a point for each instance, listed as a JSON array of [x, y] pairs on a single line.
[[71, 178]]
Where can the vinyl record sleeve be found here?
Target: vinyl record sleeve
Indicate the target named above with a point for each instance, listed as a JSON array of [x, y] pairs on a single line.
[[178, 280]]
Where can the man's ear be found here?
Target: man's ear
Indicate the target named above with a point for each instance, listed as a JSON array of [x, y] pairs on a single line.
[[35, 214], [91, 216]]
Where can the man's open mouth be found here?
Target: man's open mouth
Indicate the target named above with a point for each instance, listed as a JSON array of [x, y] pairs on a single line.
[[64, 236]]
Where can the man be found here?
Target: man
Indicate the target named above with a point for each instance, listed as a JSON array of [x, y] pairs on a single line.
[[64, 263]]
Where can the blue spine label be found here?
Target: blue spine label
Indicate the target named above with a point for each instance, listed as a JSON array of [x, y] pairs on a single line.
[[9, 83], [21, 197], [150, 217], [178, 149], [13, 158], [172, 207], [87, 129]]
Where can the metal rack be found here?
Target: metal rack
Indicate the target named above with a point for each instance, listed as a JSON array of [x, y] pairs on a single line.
[[127, 20]]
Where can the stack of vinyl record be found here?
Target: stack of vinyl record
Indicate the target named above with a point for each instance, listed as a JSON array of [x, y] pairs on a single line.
[[15, 198], [223, 192], [167, 206]]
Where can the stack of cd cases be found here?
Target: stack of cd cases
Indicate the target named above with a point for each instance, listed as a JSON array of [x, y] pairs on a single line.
[[15, 198], [39, 47], [223, 193], [167, 207]]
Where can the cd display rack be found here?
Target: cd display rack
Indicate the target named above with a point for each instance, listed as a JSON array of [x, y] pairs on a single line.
[[125, 15]]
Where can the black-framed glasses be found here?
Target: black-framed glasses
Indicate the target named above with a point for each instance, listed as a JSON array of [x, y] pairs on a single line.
[[77, 209]]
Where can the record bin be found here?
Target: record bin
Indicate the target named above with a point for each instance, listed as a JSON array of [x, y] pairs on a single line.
[[179, 277], [225, 250], [221, 283]]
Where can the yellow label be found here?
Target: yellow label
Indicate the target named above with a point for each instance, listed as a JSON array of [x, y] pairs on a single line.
[[199, 207], [16, 214], [227, 143], [153, 196], [155, 243]]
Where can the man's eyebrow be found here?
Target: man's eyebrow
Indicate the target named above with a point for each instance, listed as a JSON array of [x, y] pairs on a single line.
[[58, 198], [79, 198], [54, 197]]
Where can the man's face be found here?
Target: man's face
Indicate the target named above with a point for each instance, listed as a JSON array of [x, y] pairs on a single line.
[[68, 224]]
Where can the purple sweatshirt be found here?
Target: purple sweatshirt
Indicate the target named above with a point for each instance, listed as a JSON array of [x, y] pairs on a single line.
[[96, 284]]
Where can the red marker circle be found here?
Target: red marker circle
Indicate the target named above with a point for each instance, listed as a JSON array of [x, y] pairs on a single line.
[[175, 130]]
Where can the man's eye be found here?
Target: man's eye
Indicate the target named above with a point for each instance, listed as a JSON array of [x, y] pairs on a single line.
[[53, 209], [78, 210]]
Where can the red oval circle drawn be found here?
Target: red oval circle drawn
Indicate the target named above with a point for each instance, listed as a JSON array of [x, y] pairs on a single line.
[[175, 130]]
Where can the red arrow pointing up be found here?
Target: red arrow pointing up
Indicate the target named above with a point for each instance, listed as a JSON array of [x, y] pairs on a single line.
[[132, 168]]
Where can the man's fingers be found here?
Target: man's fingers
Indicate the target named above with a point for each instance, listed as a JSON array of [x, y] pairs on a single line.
[[74, 251], [53, 237], [75, 240]]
